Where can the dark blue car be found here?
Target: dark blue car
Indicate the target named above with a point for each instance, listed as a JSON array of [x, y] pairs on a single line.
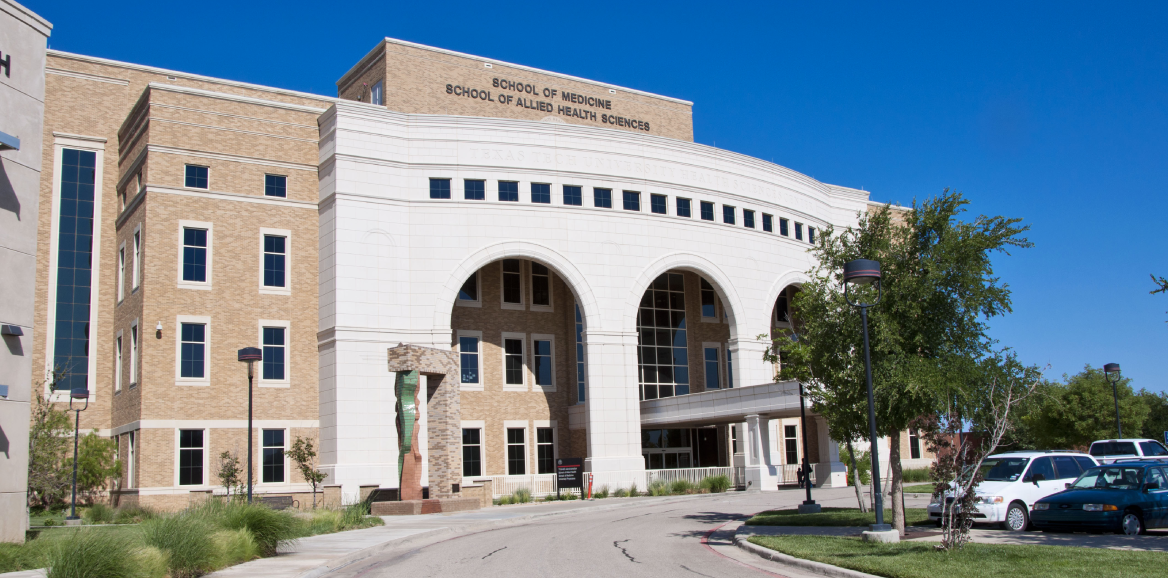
[[1124, 497]]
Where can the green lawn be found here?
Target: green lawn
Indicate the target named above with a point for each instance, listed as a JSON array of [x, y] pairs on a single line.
[[833, 517], [923, 560], [919, 489]]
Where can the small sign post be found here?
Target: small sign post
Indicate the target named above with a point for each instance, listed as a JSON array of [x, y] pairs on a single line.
[[1166, 437], [569, 474]]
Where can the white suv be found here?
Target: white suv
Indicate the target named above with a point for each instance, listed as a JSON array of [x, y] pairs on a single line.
[[1012, 482]]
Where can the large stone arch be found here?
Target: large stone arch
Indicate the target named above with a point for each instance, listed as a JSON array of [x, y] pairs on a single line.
[[797, 278], [444, 304], [723, 286]]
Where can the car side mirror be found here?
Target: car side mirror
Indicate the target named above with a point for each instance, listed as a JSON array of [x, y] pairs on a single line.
[[1038, 478], [1067, 486], [1151, 486]]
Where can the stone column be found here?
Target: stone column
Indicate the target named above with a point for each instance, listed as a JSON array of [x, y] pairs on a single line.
[[761, 475], [612, 409], [830, 472], [749, 367]]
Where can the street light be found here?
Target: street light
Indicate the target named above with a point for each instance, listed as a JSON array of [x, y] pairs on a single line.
[[1112, 372], [864, 272], [250, 355], [808, 506], [76, 394]]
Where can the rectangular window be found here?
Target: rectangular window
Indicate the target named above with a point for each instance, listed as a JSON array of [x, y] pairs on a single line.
[[683, 208], [516, 450], [194, 255], [811, 235], [783, 227], [275, 186], [579, 356], [541, 193], [782, 313], [121, 273], [602, 198], [474, 190], [545, 450], [709, 301], [513, 361], [470, 289], [133, 355], [472, 452], [273, 456], [439, 188], [748, 218], [799, 231], [197, 177], [542, 365], [728, 214], [914, 444], [791, 443], [662, 349], [657, 204], [190, 457], [573, 195], [713, 368], [275, 353], [509, 191], [193, 350], [136, 266], [131, 462], [707, 211], [74, 268], [468, 357], [275, 261], [512, 282], [632, 201], [541, 285], [768, 223], [118, 363], [376, 95], [729, 368]]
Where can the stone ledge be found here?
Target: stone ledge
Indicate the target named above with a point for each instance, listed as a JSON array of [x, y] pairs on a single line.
[[418, 507]]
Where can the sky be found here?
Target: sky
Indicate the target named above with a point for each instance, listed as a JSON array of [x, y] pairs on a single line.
[[1055, 113]]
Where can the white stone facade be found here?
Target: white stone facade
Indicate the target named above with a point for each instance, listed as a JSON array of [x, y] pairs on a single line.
[[392, 259]]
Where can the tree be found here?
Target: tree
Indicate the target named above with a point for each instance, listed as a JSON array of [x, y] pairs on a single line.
[[97, 465], [304, 455], [1074, 414], [1161, 285], [929, 329], [230, 474], [49, 441], [1157, 422]]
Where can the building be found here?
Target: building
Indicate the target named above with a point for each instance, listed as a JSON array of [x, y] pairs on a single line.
[[23, 38], [602, 277]]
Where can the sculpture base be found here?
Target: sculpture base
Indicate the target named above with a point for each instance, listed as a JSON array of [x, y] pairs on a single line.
[[418, 507]]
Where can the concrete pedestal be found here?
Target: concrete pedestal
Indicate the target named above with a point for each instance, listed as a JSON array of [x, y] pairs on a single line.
[[810, 508], [883, 536]]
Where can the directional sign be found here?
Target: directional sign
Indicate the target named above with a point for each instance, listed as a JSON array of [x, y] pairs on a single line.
[[570, 473]]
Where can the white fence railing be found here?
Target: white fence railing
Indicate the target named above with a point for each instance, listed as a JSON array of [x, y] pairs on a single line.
[[544, 484], [693, 475], [539, 484]]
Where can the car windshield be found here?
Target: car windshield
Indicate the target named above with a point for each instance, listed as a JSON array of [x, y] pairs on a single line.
[[1153, 449], [1003, 469], [1110, 478], [1113, 449]]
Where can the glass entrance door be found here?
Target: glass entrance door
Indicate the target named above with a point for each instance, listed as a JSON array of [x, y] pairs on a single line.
[[667, 449]]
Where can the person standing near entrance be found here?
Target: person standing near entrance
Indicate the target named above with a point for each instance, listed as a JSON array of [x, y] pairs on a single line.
[[799, 474]]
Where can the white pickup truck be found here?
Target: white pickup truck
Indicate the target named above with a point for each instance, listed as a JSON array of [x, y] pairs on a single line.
[[1108, 451]]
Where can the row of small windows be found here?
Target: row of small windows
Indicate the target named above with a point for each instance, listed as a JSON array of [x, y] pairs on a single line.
[[192, 445], [476, 190], [199, 177], [516, 442]]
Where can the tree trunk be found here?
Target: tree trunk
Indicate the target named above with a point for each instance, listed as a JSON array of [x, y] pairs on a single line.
[[856, 479], [896, 492]]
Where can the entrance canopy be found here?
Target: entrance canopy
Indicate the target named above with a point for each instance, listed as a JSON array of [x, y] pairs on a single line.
[[770, 401]]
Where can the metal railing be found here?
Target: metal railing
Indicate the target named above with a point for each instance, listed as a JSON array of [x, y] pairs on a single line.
[[693, 475], [541, 485]]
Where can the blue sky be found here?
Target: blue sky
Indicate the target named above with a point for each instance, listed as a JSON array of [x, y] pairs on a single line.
[[1052, 112]]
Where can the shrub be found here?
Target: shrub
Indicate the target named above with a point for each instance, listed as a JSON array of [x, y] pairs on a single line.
[[503, 501], [601, 493], [715, 484], [357, 516], [682, 487], [864, 465], [186, 541], [915, 475], [99, 514], [151, 562], [269, 527], [620, 493], [133, 515], [659, 488], [521, 496], [94, 553], [234, 547], [633, 490], [324, 522]]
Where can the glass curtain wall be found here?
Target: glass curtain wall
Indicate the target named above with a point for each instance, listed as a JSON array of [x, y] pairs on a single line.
[[662, 355]]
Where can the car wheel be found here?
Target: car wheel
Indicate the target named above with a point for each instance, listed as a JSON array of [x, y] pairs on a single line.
[[1016, 518], [1131, 524]]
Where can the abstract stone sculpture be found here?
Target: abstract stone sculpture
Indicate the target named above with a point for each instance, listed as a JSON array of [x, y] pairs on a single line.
[[443, 439]]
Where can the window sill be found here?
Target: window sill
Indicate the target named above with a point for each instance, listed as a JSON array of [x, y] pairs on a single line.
[[543, 309], [192, 382], [516, 387], [275, 384], [513, 306], [470, 387], [547, 388], [711, 320], [275, 291], [194, 285], [462, 303]]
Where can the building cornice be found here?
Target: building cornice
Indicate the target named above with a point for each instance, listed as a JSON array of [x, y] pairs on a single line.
[[26, 16], [235, 98]]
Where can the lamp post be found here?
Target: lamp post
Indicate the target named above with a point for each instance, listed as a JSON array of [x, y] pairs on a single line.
[[808, 506], [250, 355], [864, 272], [1111, 370], [76, 394]]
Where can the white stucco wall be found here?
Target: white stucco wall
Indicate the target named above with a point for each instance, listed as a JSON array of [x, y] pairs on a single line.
[[392, 259]]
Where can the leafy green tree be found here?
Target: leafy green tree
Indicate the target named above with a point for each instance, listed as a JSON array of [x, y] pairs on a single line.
[[304, 455], [1082, 410], [928, 330], [231, 474], [49, 445], [97, 465], [1157, 422]]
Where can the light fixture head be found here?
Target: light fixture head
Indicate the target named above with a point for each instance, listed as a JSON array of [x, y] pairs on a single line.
[[13, 330], [1112, 368], [79, 393], [861, 271], [250, 354], [158, 327]]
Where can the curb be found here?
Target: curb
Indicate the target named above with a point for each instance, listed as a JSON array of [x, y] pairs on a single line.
[[740, 540], [371, 551]]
